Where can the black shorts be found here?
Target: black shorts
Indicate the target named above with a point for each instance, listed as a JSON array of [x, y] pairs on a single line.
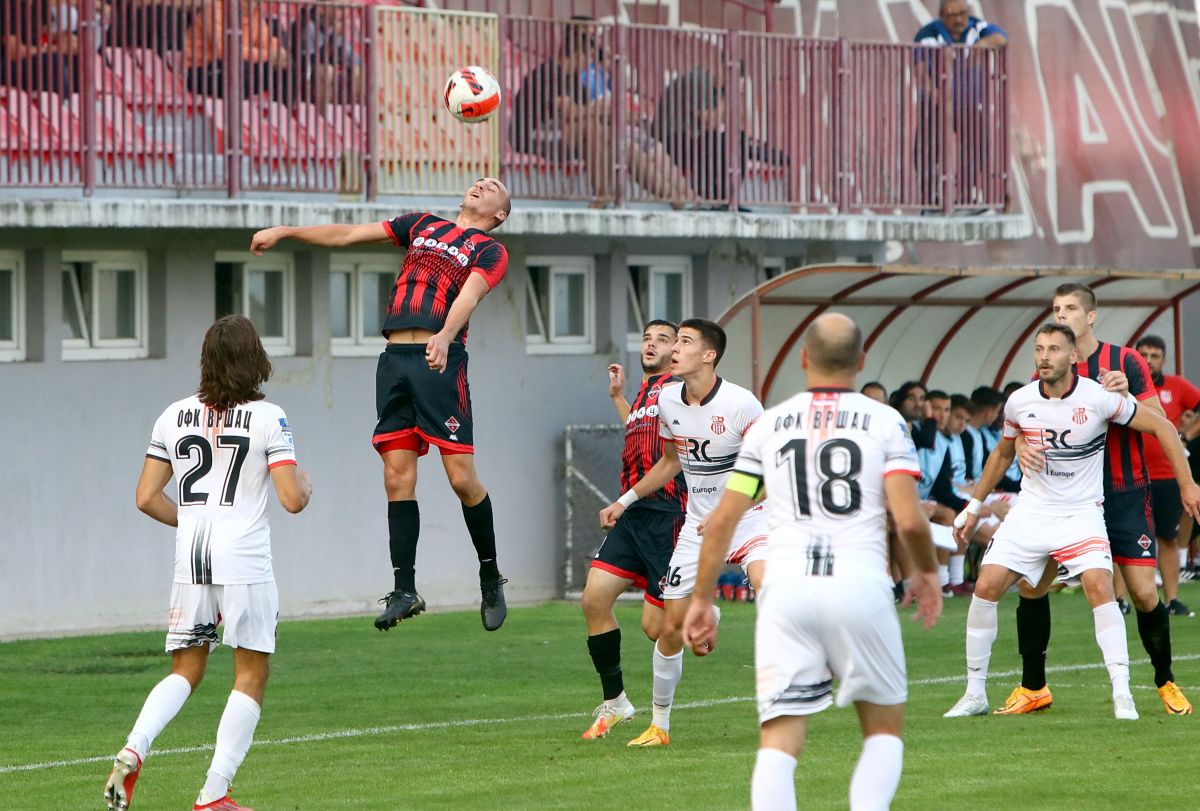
[[418, 407], [639, 548], [1168, 507], [1129, 517]]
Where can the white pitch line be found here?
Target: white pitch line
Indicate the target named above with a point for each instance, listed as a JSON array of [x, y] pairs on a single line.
[[475, 722], [359, 733]]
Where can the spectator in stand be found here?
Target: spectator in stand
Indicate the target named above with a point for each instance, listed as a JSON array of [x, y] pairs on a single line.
[[39, 46], [954, 26], [563, 111], [264, 60], [875, 391], [1176, 395], [326, 67], [156, 24], [690, 120]]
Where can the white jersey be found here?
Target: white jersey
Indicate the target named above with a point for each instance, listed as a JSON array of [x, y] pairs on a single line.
[[222, 463], [1071, 432], [823, 456], [707, 436]]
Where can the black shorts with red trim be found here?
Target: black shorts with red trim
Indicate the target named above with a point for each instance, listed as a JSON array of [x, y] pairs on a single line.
[[1129, 517], [639, 547], [1168, 507], [418, 407]]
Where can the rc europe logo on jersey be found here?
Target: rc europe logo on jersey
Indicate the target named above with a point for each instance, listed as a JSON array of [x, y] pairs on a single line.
[[1079, 416], [718, 425]]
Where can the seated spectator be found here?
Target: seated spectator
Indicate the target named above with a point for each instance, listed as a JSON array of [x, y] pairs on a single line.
[[159, 25], [326, 67], [690, 121], [264, 60], [39, 45], [563, 111]]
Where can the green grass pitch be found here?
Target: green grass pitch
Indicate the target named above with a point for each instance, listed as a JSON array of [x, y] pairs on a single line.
[[439, 714]]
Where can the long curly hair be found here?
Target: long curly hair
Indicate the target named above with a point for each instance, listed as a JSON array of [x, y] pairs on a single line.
[[233, 364]]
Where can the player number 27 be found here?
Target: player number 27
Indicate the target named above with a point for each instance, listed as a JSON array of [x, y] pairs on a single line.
[[839, 461], [198, 447]]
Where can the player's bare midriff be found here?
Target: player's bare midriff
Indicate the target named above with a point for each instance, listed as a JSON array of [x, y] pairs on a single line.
[[409, 336]]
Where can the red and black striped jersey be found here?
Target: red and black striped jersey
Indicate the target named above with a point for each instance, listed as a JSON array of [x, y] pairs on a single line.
[[1124, 454], [643, 447], [440, 258]]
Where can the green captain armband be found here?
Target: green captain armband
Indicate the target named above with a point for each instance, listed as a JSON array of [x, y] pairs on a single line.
[[744, 483]]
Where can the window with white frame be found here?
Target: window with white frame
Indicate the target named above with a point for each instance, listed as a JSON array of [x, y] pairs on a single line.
[[104, 305], [262, 288], [657, 287], [359, 289], [559, 310], [12, 306]]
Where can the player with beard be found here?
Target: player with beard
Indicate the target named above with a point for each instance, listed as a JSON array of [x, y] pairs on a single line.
[[1127, 516], [1060, 520], [638, 548]]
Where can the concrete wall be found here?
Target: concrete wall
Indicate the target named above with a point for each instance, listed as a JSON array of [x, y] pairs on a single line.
[[76, 555]]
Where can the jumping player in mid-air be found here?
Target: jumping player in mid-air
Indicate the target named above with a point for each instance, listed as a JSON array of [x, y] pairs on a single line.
[[421, 393]]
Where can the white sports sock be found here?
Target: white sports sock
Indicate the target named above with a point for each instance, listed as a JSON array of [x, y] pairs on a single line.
[[956, 569], [981, 634], [668, 670], [1182, 556], [773, 786], [1110, 636], [943, 575], [234, 734], [620, 701], [877, 774], [163, 704]]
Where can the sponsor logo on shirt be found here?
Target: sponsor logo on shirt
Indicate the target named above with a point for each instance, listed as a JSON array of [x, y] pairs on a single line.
[[287, 431], [431, 244]]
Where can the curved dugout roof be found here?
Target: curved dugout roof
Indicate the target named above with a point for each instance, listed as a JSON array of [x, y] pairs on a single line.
[[953, 328]]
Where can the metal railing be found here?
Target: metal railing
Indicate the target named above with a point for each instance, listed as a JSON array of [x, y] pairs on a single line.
[[321, 97]]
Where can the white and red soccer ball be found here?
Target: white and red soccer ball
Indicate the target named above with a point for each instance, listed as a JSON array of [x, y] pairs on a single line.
[[472, 95]]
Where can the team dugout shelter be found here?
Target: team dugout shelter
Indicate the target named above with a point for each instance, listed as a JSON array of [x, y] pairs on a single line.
[[952, 328]]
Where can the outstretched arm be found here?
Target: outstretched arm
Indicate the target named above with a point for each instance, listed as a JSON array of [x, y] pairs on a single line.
[[326, 236]]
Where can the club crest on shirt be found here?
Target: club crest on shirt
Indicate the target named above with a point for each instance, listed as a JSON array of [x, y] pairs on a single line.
[[718, 425], [1079, 415], [1165, 395]]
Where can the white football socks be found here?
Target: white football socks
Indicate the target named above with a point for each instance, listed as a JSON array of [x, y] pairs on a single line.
[[234, 734], [943, 572], [163, 704], [877, 774], [1110, 636], [981, 634], [956, 569], [668, 670], [773, 786]]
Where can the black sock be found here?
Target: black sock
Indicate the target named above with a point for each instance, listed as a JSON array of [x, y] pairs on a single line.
[[1033, 637], [605, 649], [483, 536], [1154, 627], [404, 525]]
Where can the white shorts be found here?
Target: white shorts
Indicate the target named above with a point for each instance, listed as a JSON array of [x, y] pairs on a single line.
[[248, 612], [749, 543], [811, 630], [1077, 540], [943, 537]]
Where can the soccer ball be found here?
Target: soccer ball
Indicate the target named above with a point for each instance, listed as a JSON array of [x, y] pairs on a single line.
[[472, 95]]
